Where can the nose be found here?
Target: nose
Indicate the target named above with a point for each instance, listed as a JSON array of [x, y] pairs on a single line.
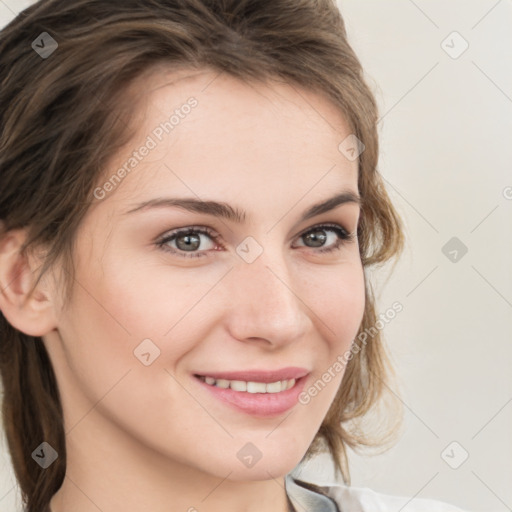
[[265, 302]]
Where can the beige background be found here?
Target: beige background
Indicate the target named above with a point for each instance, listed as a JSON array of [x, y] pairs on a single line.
[[446, 127]]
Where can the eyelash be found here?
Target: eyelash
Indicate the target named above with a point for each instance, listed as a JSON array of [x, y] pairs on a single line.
[[343, 237]]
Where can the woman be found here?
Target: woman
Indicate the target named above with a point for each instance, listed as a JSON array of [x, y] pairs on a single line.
[[189, 202]]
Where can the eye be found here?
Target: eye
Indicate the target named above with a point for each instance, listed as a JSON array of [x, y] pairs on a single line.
[[185, 242], [318, 238]]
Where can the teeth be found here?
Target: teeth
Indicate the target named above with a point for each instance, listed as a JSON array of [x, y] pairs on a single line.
[[256, 387], [221, 383], [250, 387], [274, 387], [238, 385]]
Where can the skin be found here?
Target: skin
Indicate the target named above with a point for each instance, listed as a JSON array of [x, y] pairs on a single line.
[[149, 437]]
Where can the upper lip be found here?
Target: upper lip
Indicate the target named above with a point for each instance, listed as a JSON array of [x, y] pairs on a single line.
[[291, 372]]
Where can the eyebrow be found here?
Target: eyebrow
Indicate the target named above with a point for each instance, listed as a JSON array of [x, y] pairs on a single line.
[[226, 211]]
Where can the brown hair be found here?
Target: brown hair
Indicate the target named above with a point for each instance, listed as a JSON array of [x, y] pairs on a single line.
[[63, 117]]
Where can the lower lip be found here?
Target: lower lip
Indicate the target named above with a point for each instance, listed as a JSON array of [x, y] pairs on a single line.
[[258, 404]]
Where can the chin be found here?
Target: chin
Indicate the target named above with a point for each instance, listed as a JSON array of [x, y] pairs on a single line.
[[276, 464], [260, 471]]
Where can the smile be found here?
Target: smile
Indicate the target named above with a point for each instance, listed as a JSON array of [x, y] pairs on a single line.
[[249, 386], [257, 393]]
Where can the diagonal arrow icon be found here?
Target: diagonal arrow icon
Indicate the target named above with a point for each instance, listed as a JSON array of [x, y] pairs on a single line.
[[45, 455], [44, 44]]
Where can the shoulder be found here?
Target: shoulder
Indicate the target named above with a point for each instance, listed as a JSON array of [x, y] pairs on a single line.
[[363, 499]]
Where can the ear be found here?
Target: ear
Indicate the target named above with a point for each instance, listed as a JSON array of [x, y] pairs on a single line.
[[32, 314]]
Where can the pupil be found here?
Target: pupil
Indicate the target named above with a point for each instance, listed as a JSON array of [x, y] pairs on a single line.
[[189, 242], [317, 237]]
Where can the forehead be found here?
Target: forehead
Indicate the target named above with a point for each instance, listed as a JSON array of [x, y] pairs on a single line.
[[207, 132], [222, 96]]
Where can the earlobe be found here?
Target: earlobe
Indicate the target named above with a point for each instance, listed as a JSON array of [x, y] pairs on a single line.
[[30, 313]]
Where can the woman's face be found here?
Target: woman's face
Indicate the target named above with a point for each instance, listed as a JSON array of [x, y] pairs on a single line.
[[262, 298]]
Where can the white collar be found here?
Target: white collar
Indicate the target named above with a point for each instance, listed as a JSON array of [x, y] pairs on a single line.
[[307, 500]]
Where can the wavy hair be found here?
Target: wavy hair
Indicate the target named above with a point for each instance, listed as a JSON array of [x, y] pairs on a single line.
[[63, 117]]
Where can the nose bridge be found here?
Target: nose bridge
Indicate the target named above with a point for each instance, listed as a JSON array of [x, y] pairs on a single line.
[[264, 302]]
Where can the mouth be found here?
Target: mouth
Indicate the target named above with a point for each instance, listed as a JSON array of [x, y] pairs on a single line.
[[249, 386], [256, 393]]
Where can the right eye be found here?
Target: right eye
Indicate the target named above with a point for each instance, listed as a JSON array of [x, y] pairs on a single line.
[[187, 241]]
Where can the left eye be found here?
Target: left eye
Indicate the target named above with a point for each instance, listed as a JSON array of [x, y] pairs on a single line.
[[188, 240]]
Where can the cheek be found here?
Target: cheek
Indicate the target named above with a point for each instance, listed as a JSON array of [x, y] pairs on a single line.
[[101, 330], [339, 302], [150, 297], [338, 299]]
